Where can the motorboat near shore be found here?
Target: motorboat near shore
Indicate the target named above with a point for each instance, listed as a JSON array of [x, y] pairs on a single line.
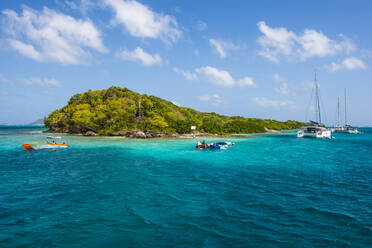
[[50, 143], [214, 146]]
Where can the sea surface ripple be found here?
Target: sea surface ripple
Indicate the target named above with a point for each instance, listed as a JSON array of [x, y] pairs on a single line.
[[266, 191]]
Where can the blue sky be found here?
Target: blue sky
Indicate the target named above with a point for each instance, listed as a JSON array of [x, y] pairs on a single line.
[[248, 58]]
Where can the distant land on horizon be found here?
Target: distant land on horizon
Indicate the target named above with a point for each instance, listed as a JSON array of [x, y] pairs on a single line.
[[39, 122]]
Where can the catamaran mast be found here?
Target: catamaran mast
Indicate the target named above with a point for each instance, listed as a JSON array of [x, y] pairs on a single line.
[[317, 102]]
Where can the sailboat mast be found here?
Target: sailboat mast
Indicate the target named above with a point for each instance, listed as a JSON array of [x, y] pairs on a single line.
[[338, 110], [317, 102], [345, 107]]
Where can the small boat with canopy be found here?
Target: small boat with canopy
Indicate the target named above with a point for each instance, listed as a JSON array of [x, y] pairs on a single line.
[[51, 142], [214, 146]]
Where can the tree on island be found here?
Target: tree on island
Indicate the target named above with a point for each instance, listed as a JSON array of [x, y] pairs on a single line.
[[106, 112]]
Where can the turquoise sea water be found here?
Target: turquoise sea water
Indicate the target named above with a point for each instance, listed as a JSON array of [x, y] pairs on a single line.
[[267, 191]]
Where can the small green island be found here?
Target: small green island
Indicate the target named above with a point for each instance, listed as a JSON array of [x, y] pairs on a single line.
[[119, 111]]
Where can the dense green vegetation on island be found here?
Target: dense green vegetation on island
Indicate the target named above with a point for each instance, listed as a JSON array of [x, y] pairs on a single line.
[[108, 111]]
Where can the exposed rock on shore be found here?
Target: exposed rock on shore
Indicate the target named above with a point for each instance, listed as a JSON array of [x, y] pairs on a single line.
[[271, 130], [148, 135], [90, 133]]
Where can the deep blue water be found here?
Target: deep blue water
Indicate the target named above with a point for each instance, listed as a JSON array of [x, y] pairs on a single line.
[[267, 191]]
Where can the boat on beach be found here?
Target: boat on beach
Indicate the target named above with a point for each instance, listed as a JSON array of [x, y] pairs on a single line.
[[317, 130], [51, 142]]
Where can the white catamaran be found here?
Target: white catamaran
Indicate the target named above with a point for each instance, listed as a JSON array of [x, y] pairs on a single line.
[[318, 130]]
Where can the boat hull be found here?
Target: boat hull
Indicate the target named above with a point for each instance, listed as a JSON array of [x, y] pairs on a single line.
[[39, 146], [353, 131], [322, 134]]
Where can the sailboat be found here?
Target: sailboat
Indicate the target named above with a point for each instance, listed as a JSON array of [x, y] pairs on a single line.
[[338, 127], [348, 128], [317, 130]]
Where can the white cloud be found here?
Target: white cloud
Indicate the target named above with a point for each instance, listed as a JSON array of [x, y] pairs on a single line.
[[277, 42], [48, 82], [283, 88], [223, 47], [246, 81], [213, 99], [51, 36], [201, 26], [188, 75], [317, 44], [216, 76], [140, 21], [268, 103], [82, 6], [139, 55], [351, 63]]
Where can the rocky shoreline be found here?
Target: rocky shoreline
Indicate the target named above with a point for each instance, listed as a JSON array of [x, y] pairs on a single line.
[[151, 135]]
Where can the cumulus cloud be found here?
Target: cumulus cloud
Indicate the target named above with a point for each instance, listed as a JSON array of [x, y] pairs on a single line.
[[51, 36], [47, 82], [188, 75], [269, 103], [213, 99], [246, 81], [140, 21], [138, 55], [223, 47], [216, 76], [276, 42], [351, 63], [283, 88]]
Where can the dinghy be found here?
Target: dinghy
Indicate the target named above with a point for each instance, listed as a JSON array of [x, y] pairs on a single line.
[[50, 143]]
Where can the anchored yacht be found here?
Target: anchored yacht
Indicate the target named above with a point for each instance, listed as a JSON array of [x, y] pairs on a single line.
[[348, 128], [317, 130], [338, 127]]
